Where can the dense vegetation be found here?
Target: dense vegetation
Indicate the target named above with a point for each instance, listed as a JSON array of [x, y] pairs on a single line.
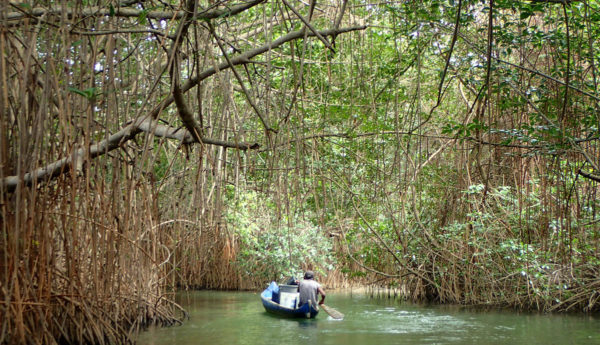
[[447, 148]]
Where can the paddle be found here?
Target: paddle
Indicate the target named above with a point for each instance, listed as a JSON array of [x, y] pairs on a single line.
[[332, 312]]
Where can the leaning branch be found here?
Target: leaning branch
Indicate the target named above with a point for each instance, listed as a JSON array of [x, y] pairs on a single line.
[[36, 12], [589, 175], [240, 81], [185, 113], [184, 136], [141, 124], [245, 57], [307, 23]]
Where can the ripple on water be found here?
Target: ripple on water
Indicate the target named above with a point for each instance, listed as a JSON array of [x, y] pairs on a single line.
[[394, 321], [368, 322]]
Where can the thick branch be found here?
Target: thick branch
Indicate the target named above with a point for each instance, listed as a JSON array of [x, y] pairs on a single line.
[[139, 125], [164, 131], [307, 23], [245, 57], [127, 12], [239, 79], [120, 31], [187, 117], [185, 114], [184, 136], [589, 175]]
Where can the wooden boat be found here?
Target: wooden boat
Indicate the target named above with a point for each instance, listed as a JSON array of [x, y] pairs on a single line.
[[284, 302]]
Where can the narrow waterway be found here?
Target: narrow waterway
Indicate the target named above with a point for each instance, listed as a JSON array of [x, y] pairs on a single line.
[[229, 318]]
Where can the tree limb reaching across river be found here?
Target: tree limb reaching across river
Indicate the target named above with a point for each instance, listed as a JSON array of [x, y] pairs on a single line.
[[142, 124]]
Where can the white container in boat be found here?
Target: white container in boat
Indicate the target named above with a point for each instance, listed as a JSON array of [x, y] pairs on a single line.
[[289, 299]]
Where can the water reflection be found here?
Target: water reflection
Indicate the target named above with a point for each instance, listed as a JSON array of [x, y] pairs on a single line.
[[239, 318], [307, 324]]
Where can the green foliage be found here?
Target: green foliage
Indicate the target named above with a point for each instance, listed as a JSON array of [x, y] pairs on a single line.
[[270, 250], [89, 93]]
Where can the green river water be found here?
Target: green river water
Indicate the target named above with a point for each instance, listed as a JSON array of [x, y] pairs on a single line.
[[239, 318]]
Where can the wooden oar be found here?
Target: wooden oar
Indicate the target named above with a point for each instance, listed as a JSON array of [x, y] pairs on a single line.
[[332, 312]]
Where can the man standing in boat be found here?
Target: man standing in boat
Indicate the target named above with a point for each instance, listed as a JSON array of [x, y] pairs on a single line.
[[309, 289]]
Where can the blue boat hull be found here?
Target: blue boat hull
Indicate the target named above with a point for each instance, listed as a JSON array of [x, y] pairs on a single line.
[[305, 311]]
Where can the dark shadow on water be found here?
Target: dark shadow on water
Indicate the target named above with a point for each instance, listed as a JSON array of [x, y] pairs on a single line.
[[302, 323], [307, 324]]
